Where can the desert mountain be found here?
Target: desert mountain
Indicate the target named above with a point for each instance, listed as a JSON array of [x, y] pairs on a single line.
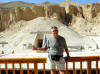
[[15, 4], [19, 34], [84, 19]]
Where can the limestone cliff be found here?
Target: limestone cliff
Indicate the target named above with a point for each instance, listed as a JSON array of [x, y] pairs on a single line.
[[66, 12], [9, 15], [88, 12], [85, 19]]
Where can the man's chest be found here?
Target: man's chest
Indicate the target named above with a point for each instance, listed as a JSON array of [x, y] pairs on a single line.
[[55, 43]]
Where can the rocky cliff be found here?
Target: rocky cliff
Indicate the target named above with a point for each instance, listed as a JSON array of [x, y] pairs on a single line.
[[66, 12], [11, 14]]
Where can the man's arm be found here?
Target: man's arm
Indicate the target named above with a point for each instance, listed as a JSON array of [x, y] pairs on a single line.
[[67, 52], [40, 49]]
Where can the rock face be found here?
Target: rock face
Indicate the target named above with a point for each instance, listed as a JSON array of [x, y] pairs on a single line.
[[88, 12], [91, 11], [85, 19], [14, 14], [66, 12]]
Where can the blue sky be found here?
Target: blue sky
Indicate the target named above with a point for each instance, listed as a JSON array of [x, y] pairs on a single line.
[[54, 1]]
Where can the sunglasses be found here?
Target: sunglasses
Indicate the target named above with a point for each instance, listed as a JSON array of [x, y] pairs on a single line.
[[55, 31]]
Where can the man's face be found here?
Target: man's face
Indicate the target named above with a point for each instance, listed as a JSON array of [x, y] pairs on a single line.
[[54, 31]]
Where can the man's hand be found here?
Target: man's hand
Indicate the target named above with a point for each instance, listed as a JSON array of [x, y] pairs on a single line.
[[34, 48], [67, 58], [67, 52], [44, 49]]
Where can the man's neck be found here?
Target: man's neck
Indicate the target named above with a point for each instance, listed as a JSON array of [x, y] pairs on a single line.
[[56, 36]]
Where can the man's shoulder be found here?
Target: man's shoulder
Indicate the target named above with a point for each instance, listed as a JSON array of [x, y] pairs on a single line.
[[49, 38], [61, 37]]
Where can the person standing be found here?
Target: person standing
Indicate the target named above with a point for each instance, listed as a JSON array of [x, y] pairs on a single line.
[[55, 45]]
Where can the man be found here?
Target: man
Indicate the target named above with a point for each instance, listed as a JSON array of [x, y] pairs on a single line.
[[55, 45]]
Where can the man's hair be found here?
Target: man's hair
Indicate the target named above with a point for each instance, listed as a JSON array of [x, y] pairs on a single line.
[[54, 27]]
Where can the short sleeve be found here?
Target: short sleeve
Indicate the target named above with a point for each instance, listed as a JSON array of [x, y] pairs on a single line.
[[65, 45], [46, 43]]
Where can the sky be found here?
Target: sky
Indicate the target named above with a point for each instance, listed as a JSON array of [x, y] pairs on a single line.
[[54, 1]]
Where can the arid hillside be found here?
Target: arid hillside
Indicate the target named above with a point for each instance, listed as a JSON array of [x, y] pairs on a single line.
[[84, 19]]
